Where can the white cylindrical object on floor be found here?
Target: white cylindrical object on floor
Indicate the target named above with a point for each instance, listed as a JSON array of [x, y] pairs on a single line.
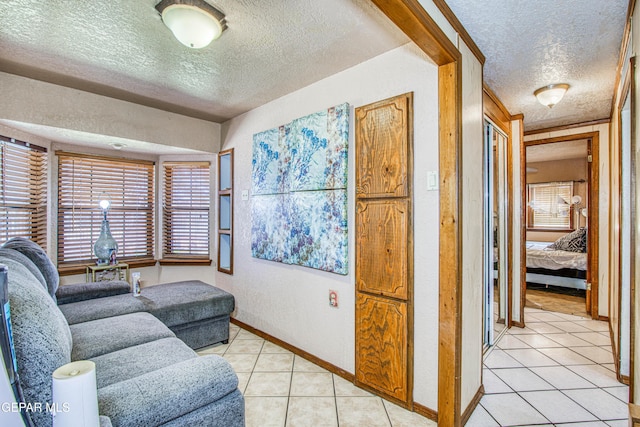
[[75, 396]]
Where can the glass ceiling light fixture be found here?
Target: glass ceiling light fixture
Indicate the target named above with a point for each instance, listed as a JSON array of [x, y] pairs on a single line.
[[195, 23], [552, 94]]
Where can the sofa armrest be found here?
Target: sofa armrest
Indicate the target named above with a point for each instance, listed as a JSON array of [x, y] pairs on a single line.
[[160, 396], [84, 291]]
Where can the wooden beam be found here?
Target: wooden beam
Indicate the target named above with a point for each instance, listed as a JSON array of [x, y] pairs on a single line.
[[410, 17], [450, 271]]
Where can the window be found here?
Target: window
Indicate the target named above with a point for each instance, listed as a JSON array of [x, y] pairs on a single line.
[[225, 211], [23, 191], [549, 205], [81, 181], [185, 210]]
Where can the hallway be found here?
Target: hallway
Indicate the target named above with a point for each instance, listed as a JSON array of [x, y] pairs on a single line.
[[557, 371]]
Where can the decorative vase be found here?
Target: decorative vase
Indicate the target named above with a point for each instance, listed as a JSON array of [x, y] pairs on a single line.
[[106, 245]]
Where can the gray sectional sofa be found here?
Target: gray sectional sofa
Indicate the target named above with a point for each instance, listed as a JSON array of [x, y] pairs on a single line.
[[146, 376]]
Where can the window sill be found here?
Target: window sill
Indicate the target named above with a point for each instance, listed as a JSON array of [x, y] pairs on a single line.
[[184, 261], [71, 269]]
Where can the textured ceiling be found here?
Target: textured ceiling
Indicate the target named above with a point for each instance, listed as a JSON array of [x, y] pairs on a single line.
[[120, 48], [532, 43]]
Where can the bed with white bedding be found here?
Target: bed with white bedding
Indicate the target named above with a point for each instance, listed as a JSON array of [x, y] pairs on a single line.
[[550, 266]]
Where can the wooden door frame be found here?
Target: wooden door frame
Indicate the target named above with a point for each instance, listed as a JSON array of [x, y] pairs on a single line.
[[415, 22], [593, 179], [628, 89]]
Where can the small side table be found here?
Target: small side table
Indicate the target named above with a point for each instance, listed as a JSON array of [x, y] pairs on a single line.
[[99, 273]]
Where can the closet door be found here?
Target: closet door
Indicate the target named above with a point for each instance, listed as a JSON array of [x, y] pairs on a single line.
[[384, 248]]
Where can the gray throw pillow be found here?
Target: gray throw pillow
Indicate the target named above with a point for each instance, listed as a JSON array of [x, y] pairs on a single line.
[[575, 241], [39, 257]]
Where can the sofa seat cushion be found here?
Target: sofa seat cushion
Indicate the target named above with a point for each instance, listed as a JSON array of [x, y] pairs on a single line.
[[138, 360], [168, 393], [102, 336], [174, 304]]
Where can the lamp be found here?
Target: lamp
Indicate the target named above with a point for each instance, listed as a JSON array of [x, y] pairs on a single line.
[[106, 247], [195, 23], [552, 94], [575, 201]]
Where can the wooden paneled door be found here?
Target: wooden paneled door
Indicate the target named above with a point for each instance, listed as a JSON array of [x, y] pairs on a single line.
[[384, 248]]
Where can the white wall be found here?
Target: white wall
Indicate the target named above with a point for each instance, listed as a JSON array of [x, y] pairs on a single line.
[[516, 240], [603, 211], [472, 224], [291, 302]]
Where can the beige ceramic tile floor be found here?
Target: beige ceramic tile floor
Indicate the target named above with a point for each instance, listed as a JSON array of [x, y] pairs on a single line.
[[556, 371], [282, 389]]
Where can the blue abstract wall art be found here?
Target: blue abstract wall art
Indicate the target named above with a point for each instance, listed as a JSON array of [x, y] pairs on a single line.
[[299, 192]]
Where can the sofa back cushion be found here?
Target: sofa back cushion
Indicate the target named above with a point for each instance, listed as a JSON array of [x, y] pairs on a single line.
[[39, 257], [26, 262], [41, 335]]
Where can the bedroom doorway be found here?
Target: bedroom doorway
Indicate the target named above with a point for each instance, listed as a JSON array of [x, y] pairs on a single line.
[[560, 228]]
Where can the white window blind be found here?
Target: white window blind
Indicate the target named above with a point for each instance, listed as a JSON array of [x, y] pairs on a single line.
[[550, 205], [23, 191], [186, 210], [130, 185]]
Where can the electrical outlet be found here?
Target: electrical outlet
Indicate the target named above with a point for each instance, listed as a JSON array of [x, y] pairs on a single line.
[[333, 298]]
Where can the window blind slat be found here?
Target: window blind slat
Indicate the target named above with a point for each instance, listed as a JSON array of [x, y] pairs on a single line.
[[186, 204], [81, 181], [549, 205], [23, 191]]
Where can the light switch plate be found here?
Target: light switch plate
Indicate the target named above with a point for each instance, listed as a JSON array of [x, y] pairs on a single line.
[[432, 180]]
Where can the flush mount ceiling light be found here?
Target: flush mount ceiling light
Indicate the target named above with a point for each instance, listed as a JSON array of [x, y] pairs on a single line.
[[195, 23], [552, 94], [117, 145]]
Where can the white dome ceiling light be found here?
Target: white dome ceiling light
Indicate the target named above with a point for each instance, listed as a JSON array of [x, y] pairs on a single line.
[[195, 23], [552, 94]]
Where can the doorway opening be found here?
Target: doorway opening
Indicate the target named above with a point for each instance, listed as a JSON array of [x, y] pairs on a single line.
[[560, 226]]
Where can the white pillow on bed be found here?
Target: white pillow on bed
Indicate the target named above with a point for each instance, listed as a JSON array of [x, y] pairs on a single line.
[[575, 241]]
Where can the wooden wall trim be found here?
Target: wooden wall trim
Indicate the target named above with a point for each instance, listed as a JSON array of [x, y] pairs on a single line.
[[295, 350], [410, 17], [417, 408], [495, 110], [567, 127], [624, 44], [425, 412], [414, 21], [523, 224], [632, 245], [459, 28], [450, 261], [634, 415], [473, 404]]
